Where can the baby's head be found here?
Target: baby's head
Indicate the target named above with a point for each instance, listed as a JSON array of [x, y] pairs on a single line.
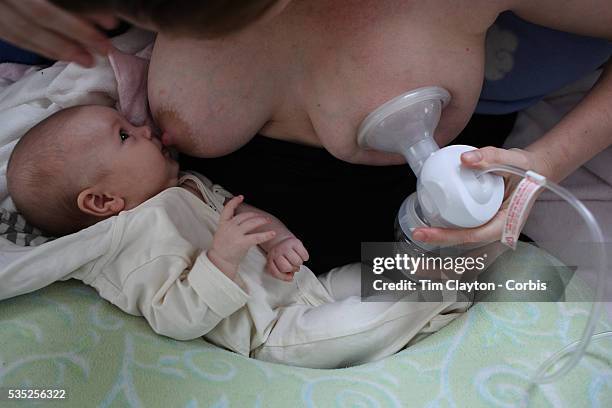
[[85, 164]]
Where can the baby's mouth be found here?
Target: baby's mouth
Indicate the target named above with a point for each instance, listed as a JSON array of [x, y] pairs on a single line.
[[165, 151]]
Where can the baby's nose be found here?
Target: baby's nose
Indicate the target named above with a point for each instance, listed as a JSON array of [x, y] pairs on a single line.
[[145, 131]]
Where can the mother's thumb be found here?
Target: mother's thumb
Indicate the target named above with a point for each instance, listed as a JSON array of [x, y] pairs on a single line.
[[472, 157], [486, 156]]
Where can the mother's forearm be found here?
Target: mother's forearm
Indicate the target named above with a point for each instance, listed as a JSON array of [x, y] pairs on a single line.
[[580, 135]]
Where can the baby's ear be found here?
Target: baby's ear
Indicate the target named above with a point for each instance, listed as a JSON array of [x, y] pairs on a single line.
[[92, 201]]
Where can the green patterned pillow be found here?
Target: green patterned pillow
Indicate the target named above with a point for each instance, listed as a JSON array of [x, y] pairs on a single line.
[[66, 337]]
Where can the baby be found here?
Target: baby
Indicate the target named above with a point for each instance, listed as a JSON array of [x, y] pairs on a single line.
[[179, 251], [85, 164]]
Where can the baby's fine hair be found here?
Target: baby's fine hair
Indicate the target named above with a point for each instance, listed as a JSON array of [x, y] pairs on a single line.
[[48, 168]]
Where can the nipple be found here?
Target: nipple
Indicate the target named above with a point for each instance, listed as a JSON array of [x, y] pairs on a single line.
[[167, 139]]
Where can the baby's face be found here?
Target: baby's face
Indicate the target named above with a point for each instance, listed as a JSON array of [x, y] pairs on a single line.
[[140, 167]]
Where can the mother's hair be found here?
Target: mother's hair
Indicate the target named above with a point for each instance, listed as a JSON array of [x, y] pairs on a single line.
[[195, 18]]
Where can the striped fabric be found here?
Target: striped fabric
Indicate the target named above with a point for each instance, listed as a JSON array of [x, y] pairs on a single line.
[[14, 228]]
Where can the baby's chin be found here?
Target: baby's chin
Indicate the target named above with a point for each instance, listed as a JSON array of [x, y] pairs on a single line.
[[172, 181], [174, 176]]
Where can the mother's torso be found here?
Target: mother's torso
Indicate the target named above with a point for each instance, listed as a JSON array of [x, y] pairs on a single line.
[[313, 73]]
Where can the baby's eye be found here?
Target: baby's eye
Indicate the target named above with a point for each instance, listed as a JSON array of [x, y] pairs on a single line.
[[123, 135]]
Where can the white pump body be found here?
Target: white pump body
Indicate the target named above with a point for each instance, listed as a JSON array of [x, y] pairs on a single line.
[[449, 195]]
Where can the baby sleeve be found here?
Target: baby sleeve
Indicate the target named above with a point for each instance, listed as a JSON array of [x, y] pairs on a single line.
[[180, 300]]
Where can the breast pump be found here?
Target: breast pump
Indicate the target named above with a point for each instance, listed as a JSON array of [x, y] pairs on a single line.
[[451, 196], [448, 195]]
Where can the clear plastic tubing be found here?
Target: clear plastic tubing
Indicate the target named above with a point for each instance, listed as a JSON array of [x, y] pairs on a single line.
[[579, 347]]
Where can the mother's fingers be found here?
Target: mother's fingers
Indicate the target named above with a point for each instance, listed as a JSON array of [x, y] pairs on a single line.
[[486, 156], [50, 31], [44, 14], [53, 46], [489, 232]]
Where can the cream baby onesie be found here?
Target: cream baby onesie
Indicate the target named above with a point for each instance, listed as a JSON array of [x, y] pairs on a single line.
[[152, 261]]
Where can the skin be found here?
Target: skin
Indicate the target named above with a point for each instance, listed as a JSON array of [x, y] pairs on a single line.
[[50, 31], [141, 167], [312, 73], [239, 231], [332, 63]]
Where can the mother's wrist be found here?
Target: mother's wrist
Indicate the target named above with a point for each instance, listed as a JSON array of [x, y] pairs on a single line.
[[541, 163]]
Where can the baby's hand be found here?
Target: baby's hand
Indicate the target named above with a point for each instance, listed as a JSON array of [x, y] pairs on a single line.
[[285, 258], [235, 236]]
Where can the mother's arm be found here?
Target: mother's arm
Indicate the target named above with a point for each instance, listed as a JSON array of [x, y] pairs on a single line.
[[580, 135], [583, 132], [587, 129]]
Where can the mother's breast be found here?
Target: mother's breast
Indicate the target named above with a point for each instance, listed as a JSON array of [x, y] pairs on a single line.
[[204, 95], [173, 98], [351, 89]]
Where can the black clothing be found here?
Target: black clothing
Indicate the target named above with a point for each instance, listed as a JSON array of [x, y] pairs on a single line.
[[331, 205]]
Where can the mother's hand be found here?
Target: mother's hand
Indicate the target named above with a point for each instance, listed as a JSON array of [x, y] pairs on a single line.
[[48, 30], [491, 231]]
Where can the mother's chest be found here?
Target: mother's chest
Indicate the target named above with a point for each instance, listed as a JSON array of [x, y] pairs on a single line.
[[354, 80]]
